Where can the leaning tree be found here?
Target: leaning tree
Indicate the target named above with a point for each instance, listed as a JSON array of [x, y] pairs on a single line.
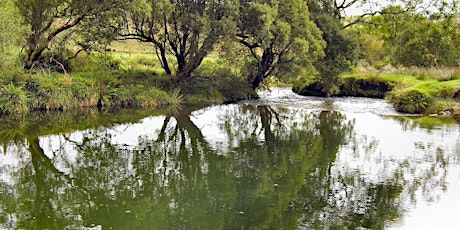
[[183, 32], [52, 20]]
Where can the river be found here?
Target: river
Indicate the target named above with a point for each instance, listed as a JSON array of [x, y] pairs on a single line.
[[280, 162]]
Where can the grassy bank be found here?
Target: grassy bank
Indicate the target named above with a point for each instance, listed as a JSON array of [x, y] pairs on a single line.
[[416, 91], [22, 93], [116, 80]]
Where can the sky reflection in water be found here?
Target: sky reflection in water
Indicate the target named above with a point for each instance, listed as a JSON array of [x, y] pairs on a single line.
[[283, 161]]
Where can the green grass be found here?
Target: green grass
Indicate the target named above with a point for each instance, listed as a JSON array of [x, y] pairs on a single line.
[[392, 79], [67, 92], [427, 97], [421, 92], [413, 93], [434, 88], [119, 80], [13, 99]]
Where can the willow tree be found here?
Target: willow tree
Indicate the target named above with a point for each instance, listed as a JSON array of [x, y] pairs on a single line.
[[341, 51], [48, 19], [280, 37], [186, 30]]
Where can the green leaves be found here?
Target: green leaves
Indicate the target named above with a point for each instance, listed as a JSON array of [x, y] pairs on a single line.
[[54, 22], [415, 39], [280, 37]]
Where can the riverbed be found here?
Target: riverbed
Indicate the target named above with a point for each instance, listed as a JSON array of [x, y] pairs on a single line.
[[283, 161]]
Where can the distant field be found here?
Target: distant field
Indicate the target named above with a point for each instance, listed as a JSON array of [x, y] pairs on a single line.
[[132, 46]]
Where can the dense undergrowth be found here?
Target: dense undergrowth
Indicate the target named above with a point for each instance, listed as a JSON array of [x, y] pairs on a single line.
[[415, 91]]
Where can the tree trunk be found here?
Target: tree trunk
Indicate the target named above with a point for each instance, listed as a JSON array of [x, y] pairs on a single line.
[[164, 60], [34, 52], [257, 80], [263, 70], [187, 69]]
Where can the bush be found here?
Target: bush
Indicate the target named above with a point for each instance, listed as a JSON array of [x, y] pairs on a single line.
[[95, 62], [14, 75], [121, 96]]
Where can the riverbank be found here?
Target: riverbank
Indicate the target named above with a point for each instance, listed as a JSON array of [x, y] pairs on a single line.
[[21, 93], [409, 93], [118, 84]]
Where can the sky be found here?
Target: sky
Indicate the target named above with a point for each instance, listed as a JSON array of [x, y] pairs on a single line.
[[377, 5]]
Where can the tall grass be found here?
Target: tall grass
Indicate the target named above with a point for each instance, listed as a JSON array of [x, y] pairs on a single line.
[[423, 74], [13, 99], [175, 97], [64, 92]]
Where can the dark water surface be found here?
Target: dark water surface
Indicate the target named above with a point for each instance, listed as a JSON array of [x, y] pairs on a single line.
[[281, 162]]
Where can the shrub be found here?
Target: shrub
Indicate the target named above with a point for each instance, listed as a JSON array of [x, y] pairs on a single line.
[[120, 96], [56, 95], [14, 75], [93, 62], [218, 80]]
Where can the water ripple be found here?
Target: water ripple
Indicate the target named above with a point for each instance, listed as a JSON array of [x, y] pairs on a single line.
[[286, 97]]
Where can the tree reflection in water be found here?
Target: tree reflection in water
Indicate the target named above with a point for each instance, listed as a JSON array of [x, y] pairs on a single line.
[[261, 167]]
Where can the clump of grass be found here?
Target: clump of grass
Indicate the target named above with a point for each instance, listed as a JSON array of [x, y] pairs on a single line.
[[425, 97], [51, 93], [84, 91], [120, 96], [152, 97], [13, 100], [410, 101], [309, 87], [175, 97], [106, 87], [441, 105], [366, 86]]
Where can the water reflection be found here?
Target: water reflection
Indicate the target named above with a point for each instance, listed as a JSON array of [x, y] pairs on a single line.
[[248, 166]]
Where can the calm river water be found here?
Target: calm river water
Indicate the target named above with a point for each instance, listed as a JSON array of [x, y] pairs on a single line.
[[280, 162]]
